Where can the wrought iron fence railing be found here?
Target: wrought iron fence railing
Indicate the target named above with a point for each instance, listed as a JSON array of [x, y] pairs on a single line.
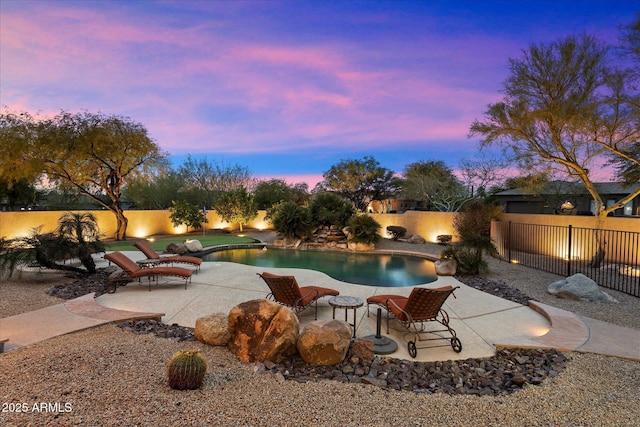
[[610, 257]]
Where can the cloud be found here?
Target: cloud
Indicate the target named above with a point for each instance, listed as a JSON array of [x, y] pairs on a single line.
[[268, 77], [316, 94]]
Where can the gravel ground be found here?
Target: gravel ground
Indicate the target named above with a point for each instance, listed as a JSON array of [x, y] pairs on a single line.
[[107, 376]]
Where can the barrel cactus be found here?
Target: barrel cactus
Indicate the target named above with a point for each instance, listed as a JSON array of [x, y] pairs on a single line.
[[186, 369]]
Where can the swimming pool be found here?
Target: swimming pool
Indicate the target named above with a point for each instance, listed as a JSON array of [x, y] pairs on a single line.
[[372, 269]]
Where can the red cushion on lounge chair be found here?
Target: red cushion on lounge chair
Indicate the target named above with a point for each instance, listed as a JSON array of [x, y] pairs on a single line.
[[150, 253], [309, 293], [394, 303], [134, 270], [397, 304]]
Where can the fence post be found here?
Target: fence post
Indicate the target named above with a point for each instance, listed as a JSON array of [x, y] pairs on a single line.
[[509, 242], [569, 252]]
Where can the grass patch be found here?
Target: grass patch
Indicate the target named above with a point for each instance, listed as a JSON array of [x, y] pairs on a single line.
[[160, 243]]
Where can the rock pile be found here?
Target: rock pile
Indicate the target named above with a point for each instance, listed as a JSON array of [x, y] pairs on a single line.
[[508, 371], [174, 332], [325, 237], [84, 284], [499, 289], [329, 236]]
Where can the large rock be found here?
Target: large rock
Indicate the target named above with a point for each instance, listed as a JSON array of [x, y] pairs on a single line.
[[262, 330], [416, 239], [177, 248], [324, 342], [212, 329], [363, 349], [361, 247], [193, 245], [579, 287], [446, 267]]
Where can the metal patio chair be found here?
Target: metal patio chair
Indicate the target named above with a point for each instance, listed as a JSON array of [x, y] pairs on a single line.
[[286, 291], [413, 312]]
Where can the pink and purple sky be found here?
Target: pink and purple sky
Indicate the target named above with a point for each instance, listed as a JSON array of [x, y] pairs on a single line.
[[285, 88]]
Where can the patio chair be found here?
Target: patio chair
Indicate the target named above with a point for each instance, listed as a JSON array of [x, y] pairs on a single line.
[[423, 305], [286, 291], [151, 254], [131, 270]]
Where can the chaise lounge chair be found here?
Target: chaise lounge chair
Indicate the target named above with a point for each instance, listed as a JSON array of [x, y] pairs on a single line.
[[131, 270], [151, 254], [423, 305], [285, 291]]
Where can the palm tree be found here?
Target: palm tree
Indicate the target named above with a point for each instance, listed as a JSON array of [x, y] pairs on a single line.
[[81, 231], [77, 236]]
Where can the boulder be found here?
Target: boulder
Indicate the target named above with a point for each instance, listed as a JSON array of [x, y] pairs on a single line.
[[363, 349], [193, 245], [396, 231], [212, 329], [262, 330], [324, 342], [579, 287], [446, 267], [361, 247], [177, 248], [417, 240]]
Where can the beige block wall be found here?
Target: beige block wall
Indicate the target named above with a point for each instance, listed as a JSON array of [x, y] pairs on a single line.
[[426, 224], [142, 223], [150, 222]]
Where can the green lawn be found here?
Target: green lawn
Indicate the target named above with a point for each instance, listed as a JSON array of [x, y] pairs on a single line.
[[160, 243]]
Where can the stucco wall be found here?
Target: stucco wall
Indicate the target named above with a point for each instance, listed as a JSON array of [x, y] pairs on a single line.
[[141, 223], [426, 224], [149, 222]]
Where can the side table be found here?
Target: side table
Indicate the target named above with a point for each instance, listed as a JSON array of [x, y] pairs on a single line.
[[347, 302], [148, 263]]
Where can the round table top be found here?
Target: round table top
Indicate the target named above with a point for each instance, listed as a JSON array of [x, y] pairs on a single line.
[[345, 301]]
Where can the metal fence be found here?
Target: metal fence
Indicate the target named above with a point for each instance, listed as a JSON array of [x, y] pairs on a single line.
[[610, 257]]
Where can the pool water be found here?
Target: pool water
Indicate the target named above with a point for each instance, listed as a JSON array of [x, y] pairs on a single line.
[[387, 270]]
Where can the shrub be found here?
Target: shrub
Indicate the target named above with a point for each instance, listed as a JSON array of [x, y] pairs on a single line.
[[330, 209], [363, 229], [237, 206], [183, 212], [444, 239], [290, 220], [473, 226], [469, 259], [396, 231]]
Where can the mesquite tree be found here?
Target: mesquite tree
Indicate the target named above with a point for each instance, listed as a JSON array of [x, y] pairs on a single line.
[[566, 110], [91, 154]]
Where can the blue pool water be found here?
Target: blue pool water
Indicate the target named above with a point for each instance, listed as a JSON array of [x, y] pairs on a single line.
[[360, 268]]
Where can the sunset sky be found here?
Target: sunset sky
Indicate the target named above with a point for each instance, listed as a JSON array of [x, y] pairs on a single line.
[[285, 88]]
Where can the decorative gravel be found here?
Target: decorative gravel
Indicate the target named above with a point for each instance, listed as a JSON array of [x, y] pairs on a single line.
[[508, 371], [107, 376]]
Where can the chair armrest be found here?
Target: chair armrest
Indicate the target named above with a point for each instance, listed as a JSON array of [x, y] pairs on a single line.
[[408, 316]]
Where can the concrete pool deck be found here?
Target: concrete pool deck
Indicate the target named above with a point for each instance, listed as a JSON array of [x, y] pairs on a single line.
[[483, 322]]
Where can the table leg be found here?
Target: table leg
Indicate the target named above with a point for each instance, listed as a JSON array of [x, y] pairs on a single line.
[[355, 310]]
